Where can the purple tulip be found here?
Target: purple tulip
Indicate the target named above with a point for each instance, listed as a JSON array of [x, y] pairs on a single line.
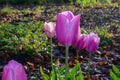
[[67, 28], [49, 29], [14, 71], [81, 43], [92, 42]]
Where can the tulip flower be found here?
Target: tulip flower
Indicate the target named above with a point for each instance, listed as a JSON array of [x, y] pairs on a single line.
[[81, 43], [67, 28], [14, 71], [49, 29], [67, 32], [92, 42]]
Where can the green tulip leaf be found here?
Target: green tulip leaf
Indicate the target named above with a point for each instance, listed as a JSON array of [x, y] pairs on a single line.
[[45, 76], [74, 71], [54, 74], [80, 77], [113, 76], [116, 71], [61, 70]]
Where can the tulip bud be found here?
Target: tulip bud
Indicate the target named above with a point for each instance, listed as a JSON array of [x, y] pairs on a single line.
[[14, 71], [49, 29], [81, 43], [92, 42]]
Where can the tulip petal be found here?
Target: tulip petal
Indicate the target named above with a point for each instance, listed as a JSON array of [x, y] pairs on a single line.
[[14, 71], [81, 43], [68, 14], [67, 30], [92, 42], [6, 74], [49, 29], [75, 29], [62, 28]]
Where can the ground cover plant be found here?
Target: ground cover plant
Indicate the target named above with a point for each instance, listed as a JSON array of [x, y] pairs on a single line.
[[101, 62], [23, 38]]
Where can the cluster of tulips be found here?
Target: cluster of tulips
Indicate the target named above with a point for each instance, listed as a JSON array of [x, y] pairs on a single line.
[[67, 31]]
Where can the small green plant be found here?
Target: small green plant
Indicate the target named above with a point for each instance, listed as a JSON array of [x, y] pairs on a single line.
[[118, 30], [41, 8], [115, 74], [26, 11], [6, 10], [38, 10], [105, 1], [85, 3], [23, 38], [90, 3], [59, 73]]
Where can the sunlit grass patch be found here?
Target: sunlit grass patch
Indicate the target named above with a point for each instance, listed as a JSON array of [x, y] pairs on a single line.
[[23, 38], [96, 3], [6, 10]]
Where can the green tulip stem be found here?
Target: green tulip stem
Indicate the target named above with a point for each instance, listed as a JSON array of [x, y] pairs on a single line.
[[66, 63], [77, 51], [51, 52], [89, 66]]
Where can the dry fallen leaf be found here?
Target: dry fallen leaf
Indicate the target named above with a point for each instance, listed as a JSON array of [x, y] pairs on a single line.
[[104, 47], [31, 64]]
